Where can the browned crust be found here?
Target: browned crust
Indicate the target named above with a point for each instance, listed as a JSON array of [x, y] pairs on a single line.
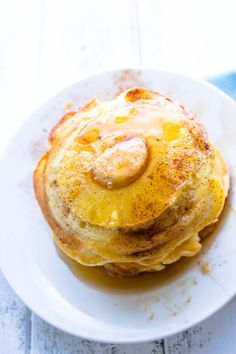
[[39, 189], [56, 132], [66, 242], [53, 133], [140, 93]]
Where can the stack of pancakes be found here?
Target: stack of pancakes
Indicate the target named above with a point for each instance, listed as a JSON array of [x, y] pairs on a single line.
[[128, 184]]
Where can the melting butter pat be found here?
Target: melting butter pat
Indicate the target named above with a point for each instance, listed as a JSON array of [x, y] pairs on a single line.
[[121, 164]]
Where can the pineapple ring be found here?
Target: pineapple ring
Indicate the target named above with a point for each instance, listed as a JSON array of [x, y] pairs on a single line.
[[78, 166]]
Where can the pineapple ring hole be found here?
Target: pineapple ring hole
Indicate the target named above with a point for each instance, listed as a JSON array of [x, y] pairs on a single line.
[[121, 164]]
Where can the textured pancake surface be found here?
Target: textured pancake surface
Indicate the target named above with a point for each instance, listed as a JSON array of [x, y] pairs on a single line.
[[130, 183]]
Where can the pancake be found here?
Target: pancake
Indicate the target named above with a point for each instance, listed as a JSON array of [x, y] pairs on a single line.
[[129, 183]]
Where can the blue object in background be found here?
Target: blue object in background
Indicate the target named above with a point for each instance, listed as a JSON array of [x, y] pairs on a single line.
[[227, 83]]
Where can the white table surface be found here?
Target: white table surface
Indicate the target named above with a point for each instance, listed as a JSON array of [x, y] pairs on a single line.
[[46, 45]]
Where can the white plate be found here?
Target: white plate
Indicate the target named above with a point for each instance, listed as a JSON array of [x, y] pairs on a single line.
[[30, 261]]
